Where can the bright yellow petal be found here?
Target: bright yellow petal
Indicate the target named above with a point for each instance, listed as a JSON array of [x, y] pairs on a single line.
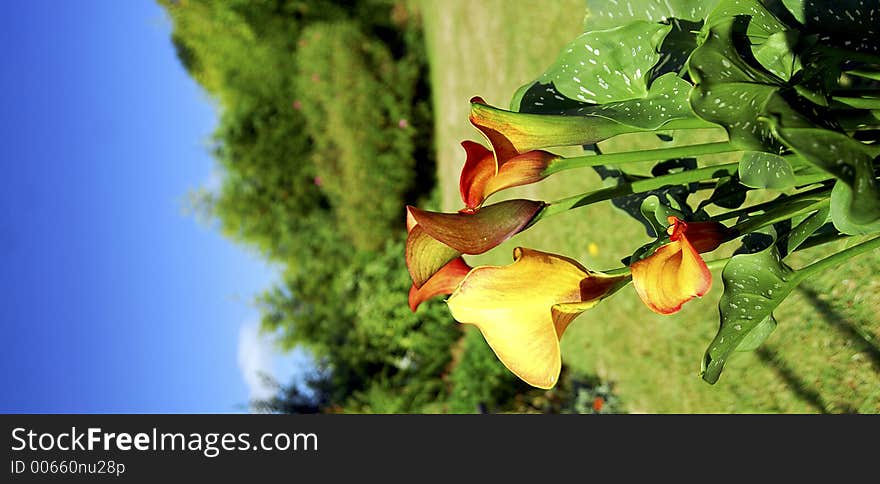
[[523, 309]]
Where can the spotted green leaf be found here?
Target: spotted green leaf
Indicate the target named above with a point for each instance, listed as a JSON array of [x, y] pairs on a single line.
[[756, 337], [776, 54], [603, 66], [758, 169], [846, 24], [732, 93], [762, 23], [754, 285], [739, 108], [666, 101], [606, 14], [857, 204], [805, 228]]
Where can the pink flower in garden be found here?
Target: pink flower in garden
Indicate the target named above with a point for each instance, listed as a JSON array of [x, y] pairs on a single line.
[[297, 105], [318, 181], [403, 123]]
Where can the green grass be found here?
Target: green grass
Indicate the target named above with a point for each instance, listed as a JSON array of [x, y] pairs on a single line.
[[824, 355]]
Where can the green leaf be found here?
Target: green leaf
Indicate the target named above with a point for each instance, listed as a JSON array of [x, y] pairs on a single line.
[[754, 285], [762, 23], [732, 93], [666, 101], [856, 202], [737, 106], [803, 230], [717, 60], [759, 169], [756, 337], [608, 65], [776, 54], [656, 213], [606, 14], [847, 24], [842, 213]]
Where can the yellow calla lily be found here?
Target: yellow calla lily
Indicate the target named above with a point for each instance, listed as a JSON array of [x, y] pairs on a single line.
[[523, 309]]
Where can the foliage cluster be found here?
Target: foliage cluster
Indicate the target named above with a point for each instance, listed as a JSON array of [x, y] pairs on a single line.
[[796, 96]]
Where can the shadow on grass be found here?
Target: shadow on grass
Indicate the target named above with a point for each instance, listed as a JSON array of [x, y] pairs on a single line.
[[794, 382], [797, 385], [844, 326]]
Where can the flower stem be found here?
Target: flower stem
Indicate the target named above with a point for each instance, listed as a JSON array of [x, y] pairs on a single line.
[[814, 194], [641, 155], [859, 102], [639, 186], [837, 258], [782, 213]]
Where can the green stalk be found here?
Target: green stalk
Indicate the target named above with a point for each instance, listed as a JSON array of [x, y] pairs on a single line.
[[859, 102], [866, 74], [771, 217], [635, 156], [816, 193], [639, 186], [817, 240], [837, 258]]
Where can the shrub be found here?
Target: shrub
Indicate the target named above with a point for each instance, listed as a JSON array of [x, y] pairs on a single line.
[[480, 383], [359, 106]]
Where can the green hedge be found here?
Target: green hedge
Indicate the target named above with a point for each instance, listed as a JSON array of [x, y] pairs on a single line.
[[359, 104]]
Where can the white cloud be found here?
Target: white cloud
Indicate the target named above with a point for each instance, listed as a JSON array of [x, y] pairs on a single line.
[[255, 359]]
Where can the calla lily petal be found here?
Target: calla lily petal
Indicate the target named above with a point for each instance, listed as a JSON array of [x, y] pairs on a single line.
[[479, 167], [675, 273], [512, 133], [704, 236], [410, 220], [670, 277], [523, 321], [443, 282], [481, 177], [425, 255], [478, 232], [520, 170]]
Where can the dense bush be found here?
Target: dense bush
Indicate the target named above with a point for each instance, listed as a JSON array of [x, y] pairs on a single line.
[[359, 104], [358, 321]]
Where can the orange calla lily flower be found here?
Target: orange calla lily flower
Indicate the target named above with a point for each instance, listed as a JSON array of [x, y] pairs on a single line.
[[522, 320], [483, 175], [437, 238], [675, 273], [443, 282]]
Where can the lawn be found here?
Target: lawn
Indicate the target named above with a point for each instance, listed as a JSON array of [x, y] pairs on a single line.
[[823, 357]]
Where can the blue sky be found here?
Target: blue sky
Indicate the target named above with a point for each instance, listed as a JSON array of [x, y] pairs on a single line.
[[113, 298]]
